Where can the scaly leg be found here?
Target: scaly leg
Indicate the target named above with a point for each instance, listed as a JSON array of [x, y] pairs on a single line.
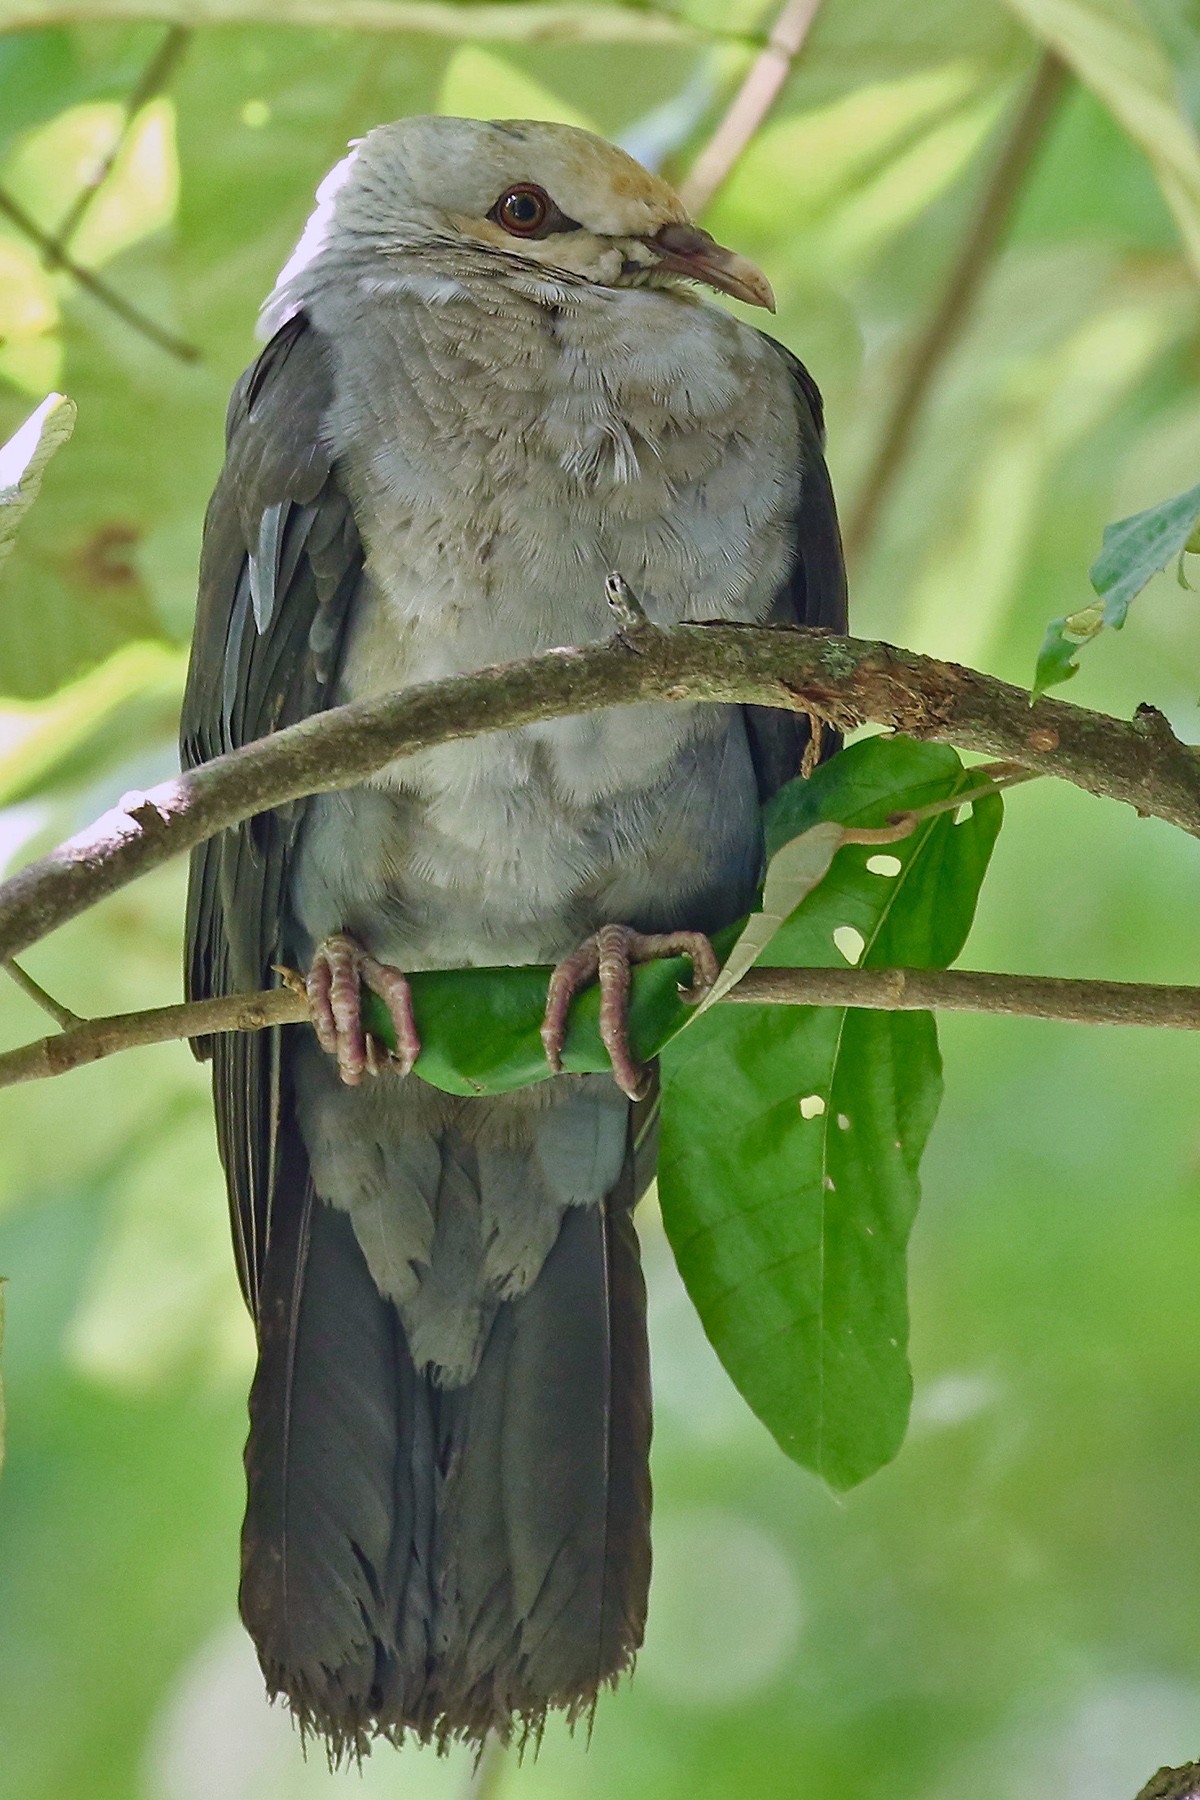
[[608, 956], [335, 1007]]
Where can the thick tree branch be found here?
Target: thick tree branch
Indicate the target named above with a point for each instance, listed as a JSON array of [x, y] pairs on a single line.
[[878, 990], [846, 680]]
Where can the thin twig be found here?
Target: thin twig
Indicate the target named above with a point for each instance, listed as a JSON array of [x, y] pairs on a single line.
[[151, 82], [986, 233], [94, 284], [847, 680], [876, 990], [62, 1015], [750, 105], [964, 990], [551, 22]]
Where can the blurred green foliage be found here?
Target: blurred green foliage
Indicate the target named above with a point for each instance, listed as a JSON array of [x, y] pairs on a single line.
[[1007, 1610]]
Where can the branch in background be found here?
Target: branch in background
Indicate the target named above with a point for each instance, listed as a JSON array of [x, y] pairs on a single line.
[[553, 22], [152, 81], [33, 990], [93, 284], [985, 235], [750, 105], [877, 990], [841, 679]]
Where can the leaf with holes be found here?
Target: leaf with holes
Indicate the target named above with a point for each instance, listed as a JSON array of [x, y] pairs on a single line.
[[791, 1137]]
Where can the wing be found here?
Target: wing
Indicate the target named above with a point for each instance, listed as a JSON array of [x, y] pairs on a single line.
[[281, 565], [815, 593]]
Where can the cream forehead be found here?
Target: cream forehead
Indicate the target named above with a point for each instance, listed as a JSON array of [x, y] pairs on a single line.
[[463, 166]]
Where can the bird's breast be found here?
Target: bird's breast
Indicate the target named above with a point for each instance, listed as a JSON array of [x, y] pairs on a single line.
[[502, 462]]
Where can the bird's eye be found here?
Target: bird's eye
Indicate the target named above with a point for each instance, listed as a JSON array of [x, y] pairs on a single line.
[[523, 210]]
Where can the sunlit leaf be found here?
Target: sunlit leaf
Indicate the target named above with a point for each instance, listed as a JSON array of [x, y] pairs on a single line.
[[1113, 50], [108, 714], [23, 461], [791, 1137], [478, 84], [30, 347], [138, 195], [882, 151]]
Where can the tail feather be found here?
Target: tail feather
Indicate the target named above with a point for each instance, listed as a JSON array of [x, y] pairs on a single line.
[[446, 1560]]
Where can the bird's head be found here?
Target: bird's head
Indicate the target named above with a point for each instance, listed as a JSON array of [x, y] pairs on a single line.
[[546, 196]]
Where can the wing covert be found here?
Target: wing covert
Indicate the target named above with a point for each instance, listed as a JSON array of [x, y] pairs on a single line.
[[280, 567]]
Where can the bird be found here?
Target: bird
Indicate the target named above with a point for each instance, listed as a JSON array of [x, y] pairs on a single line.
[[492, 382]]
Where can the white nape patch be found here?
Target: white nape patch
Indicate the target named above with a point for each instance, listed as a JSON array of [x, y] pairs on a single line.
[[281, 302], [812, 1106], [884, 865], [850, 941]]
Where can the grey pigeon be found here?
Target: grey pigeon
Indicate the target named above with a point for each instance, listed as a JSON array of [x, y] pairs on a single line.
[[489, 384]]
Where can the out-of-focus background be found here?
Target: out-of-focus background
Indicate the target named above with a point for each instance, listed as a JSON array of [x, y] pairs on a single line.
[[1009, 1610]]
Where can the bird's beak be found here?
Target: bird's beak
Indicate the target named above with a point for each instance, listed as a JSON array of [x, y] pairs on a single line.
[[687, 250]]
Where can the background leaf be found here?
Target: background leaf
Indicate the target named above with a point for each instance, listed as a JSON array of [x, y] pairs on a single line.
[[1114, 51], [1135, 550], [791, 1137], [1009, 1609], [23, 461]]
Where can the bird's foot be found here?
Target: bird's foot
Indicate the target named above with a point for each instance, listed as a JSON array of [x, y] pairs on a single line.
[[607, 957], [340, 970]]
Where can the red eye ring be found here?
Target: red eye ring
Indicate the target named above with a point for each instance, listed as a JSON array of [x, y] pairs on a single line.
[[523, 210]]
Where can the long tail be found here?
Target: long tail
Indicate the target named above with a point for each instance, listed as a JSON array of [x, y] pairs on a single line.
[[447, 1559]]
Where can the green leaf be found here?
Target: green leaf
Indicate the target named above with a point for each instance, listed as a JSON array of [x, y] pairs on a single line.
[[791, 1137], [23, 461], [2, 1418], [1134, 551], [480, 1028], [1115, 53], [1137, 549]]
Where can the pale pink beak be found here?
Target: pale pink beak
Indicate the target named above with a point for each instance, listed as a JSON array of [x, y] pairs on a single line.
[[688, 250]]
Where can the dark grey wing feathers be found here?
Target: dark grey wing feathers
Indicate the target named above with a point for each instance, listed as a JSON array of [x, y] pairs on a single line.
[[815, 594], [281, 564]]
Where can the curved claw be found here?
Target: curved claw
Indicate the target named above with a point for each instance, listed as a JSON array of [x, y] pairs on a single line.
[[608, 956], [340, 970]]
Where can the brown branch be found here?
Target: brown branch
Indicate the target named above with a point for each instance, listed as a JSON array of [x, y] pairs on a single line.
[[750, 105], [845, 680], [1173, 1784], [985, 234], [55, 258], [876, 990], [150, 83]]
